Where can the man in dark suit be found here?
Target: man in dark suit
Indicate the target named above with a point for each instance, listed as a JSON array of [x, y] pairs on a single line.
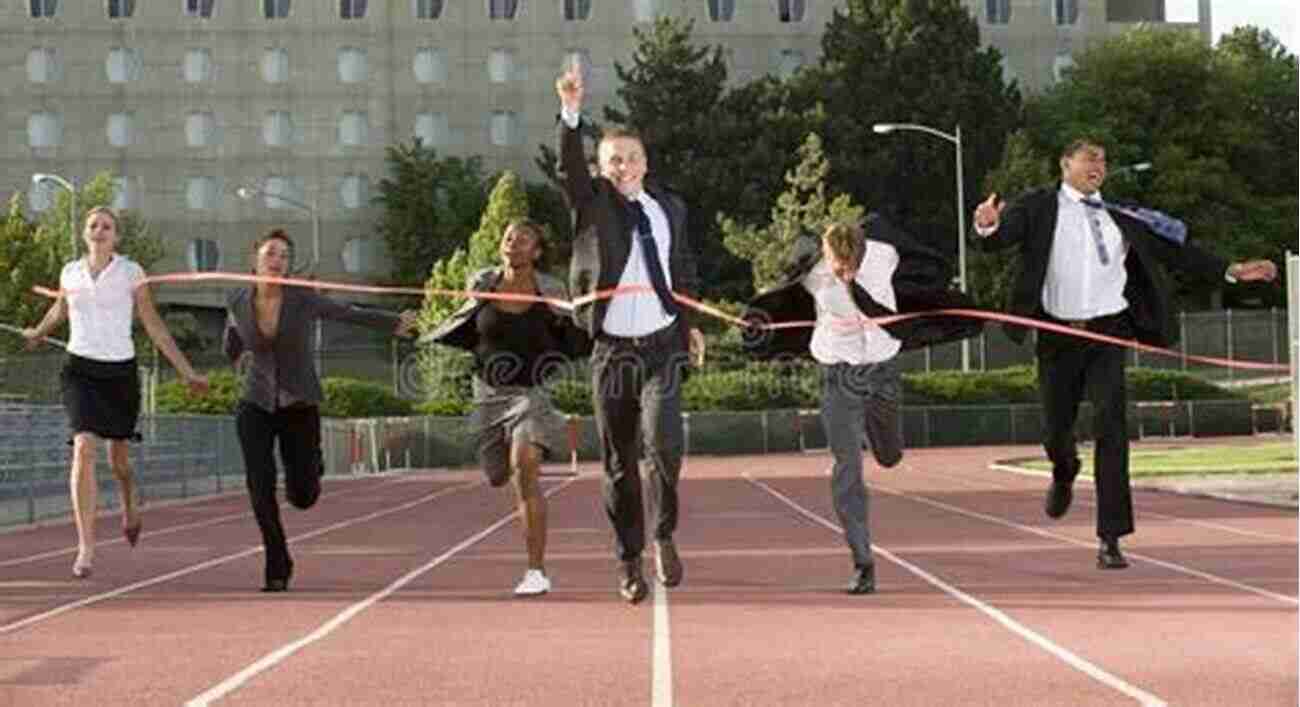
[[849, 273], [631, 235], [1092, 267]]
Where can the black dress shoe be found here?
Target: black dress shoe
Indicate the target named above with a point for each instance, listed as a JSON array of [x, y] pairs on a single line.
[[631, 584], [1058, 500], [668, 563], [278, 584], [864, 582], [1109, 557]]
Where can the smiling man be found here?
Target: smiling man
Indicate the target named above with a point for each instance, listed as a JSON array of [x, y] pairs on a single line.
[[1093, 267], [632, 236]]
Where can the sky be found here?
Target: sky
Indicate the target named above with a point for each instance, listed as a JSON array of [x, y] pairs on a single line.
[[1276, 16]]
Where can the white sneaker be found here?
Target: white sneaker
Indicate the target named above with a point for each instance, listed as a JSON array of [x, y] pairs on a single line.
[[533, 583]]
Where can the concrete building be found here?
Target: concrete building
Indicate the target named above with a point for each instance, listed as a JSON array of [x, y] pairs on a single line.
[[187, 101]]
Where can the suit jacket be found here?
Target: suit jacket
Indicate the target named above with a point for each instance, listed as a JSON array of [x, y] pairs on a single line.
[[1030, 225], [459, 329], [603, 235], [920, 284], [285, 363]]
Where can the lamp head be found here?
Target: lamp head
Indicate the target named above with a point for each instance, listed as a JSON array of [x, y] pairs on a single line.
[[244, 193], [39, 177], [882, 128]]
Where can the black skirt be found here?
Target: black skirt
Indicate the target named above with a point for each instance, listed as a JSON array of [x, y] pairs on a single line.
[[102, 397]]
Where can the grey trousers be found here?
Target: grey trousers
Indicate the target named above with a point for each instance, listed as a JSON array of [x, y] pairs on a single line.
[[860, 403]]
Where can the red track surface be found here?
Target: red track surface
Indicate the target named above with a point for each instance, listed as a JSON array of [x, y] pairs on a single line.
[[402, 596]]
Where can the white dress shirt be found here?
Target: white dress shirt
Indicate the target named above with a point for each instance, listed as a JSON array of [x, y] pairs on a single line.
[[842, 334], [641, 313], [1078, 285], [100, 309]]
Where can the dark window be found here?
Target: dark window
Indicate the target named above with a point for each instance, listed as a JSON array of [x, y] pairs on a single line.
[[45, 8], [118, 9], [502, 9], [577, 9], [352, 9], [276, 9], [998, 12], [790, 10], [1066, 11], [199, 8], [722, 10], [428, 9]]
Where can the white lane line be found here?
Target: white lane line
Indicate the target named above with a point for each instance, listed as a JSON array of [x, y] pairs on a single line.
[[277, 656], [1191, 521], [72, 549], [1060, 652], [96, 598], [1181, 569], [661, 694]]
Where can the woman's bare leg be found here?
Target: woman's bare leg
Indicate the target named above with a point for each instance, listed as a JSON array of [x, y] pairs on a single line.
[[85, 497]]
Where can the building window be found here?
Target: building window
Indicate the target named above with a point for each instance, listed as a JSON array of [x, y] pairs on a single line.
[[353, 65], [203, 254], [283, 193], [997, 12], [501, 65], [44, 129], [1061, 65], [352, 9], [645, 10], [503, 128], [123, 65], [354, 191], [202, 193], [430, 65], [354, 128], [432, 129], [275, 9], [43, 65], [198, 65], [790, 10], [577, 9], [502, 9], [1065, 12], [361, 256], [125, 194], [200, 129], [120, 129], [45, 8], [199, 8], [788, 61], [275, 65], [428, 9], [121, 9], [722, 10], [278, 128]]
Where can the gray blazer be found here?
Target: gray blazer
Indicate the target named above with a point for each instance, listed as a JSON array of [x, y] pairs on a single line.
[[285, 363], [458, 330]]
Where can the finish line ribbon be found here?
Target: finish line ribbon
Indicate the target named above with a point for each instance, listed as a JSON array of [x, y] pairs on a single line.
[[209, 277]]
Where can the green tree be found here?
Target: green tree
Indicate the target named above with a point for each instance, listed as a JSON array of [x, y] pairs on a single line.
[[1219, 125], [909, 61], [430, 205], [34, 252], [803, 208]]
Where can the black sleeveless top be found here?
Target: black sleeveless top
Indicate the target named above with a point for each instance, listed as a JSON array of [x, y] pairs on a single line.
[[512, 348]]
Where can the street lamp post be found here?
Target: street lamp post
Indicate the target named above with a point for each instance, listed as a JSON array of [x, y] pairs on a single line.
[[72, 209], [955, 139], [247, 192]]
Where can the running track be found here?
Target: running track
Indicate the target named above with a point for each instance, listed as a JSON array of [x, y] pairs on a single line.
[[402, 597]]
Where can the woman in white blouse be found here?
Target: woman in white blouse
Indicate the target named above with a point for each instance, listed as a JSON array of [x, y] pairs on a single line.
[[99, 295]]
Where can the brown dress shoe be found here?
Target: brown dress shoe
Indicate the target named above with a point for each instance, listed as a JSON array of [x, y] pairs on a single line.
[[631, 584], [668, 563]]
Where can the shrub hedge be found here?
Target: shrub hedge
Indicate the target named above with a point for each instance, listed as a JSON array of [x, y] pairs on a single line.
[[344, 397]]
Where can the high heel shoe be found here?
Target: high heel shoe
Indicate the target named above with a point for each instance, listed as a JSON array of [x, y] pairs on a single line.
[[132, 532], [81, 567], [131, 509]]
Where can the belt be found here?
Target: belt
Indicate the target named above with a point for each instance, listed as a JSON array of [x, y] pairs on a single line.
[[654, 338], [1083, 323]]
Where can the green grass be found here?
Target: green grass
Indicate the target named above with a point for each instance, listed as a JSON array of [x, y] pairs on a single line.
[[1273, 393], [1272, 458]]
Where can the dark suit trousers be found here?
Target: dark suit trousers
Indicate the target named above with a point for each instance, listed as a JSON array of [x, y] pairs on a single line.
[[1070, 368], [298, 431], [636, 395]]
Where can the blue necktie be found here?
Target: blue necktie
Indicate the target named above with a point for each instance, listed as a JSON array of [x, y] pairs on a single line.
[[1094, 227], [1160, 223], [650, 254]]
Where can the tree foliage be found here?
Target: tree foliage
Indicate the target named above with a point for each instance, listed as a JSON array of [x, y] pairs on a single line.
[[803, 208], [430, 205]]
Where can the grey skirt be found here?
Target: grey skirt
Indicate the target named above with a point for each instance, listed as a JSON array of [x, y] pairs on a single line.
[[503, 414]]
